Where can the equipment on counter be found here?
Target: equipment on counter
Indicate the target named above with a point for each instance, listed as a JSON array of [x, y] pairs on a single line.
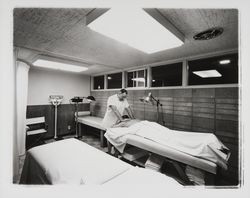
[[76, 100]]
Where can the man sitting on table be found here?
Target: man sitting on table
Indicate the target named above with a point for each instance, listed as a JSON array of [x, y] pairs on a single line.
[[116, 106]]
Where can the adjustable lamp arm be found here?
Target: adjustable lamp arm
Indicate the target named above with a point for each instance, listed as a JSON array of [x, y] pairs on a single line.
[[156, 100]]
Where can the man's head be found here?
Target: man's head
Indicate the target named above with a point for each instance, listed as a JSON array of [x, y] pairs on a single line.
[[122, 94]]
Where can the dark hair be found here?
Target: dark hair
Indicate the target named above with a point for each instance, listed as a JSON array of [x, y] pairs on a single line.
[[124, 91]]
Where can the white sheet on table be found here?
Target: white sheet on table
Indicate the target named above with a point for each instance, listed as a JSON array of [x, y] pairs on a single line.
[[141, 176], [203, 145], [71, 161]]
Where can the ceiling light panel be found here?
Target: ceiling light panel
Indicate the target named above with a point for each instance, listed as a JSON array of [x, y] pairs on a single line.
[[138, 79], [59, 66], [208, 73], [224, 62], [134, 27]]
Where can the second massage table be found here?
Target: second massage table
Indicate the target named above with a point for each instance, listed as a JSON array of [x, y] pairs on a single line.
[[71, 161]]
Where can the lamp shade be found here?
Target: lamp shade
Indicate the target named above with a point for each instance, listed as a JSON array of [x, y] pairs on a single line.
[[90, 98], [147, 99], [78, 99]]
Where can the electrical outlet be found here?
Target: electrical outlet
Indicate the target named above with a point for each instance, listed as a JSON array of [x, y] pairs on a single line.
[[69, 127]]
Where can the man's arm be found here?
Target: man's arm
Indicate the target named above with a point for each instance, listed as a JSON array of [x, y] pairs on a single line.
[[116, 112], [130, 112]]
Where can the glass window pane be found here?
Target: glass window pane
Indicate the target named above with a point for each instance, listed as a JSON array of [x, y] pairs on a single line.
[[114, 80], [215, 70], [137, 78], [167, 75], [130, 76], [140, 76], [99, 82]]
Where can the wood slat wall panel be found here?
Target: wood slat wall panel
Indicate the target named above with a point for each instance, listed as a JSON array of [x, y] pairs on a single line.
[[201, 129], [169, 119], [203, 93], [229, 127], [182, 120], [226, 93], [203, 123], [196, 109], [233, 106], [227, 111], [203, 104], [139, 114], [226, 117], [202, 110], [203, 100], [203, 115], [226, 101], [180, 93], [226, 134]]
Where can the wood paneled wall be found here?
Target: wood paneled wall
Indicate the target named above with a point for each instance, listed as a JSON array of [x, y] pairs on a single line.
[[65, 117], [191, 109]]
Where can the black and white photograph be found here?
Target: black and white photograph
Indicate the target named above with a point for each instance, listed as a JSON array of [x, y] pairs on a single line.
[[130, 95]]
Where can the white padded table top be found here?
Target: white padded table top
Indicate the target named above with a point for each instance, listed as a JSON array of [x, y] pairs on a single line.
[[92, 121], [171, 153], [156, 148]]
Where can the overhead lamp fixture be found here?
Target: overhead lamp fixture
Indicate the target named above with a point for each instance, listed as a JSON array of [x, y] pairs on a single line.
[[58, 66], [136, 28], [109, 78], [208, 73], [138, 79], [150, 99], [224, 62]]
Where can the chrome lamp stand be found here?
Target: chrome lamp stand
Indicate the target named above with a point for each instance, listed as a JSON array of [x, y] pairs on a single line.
[[56, 100]]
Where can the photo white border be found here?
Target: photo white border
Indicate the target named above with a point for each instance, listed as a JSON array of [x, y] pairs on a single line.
[[7, 109]]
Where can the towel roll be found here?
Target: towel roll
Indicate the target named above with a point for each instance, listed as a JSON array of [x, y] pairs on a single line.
[[83, 113]]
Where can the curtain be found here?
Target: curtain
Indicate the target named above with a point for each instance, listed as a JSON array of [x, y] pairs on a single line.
[[22, 70]]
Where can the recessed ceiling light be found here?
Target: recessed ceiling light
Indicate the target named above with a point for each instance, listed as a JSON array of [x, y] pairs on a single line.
[[208, 73], [58, 66], [223, 62], [139, 79], [136, 28]]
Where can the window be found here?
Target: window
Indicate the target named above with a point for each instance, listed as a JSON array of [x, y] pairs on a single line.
[[167, 75], [114, 80], [99, 82], [215, 70], [137, 78]]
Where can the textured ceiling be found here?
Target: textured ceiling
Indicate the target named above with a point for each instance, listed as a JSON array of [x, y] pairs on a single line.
[[63, 33]]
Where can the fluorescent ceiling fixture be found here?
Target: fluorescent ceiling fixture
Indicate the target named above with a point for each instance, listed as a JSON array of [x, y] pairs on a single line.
[[208, 73], [134, 27], [58, 66], [139, 79], [223, 62]]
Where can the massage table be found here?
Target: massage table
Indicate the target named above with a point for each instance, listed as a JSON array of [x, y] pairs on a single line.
[[71, 161], [95, 122], [175, 157]]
